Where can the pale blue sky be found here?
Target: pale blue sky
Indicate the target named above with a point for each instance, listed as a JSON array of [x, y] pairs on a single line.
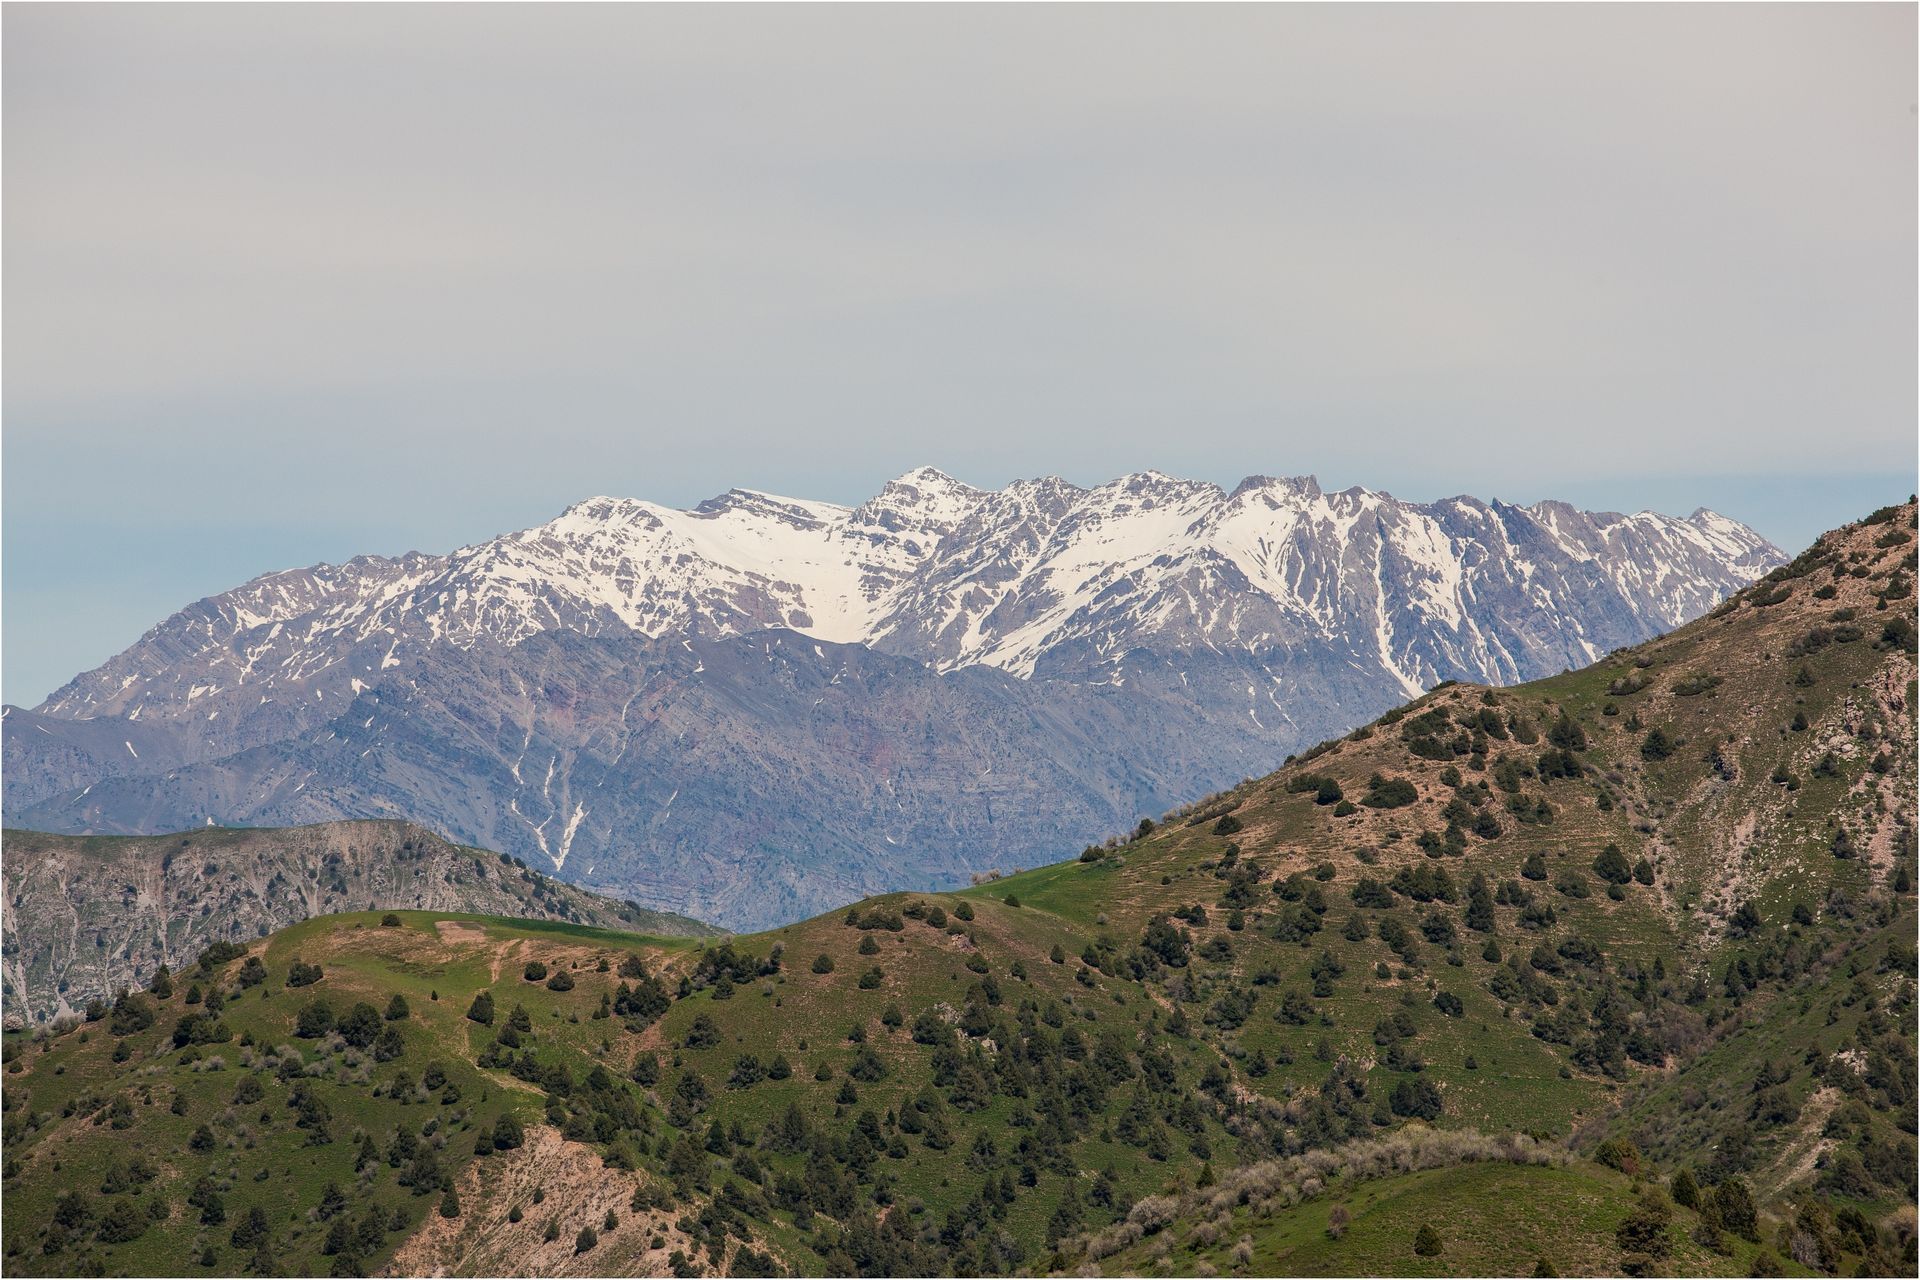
[[287, 283]]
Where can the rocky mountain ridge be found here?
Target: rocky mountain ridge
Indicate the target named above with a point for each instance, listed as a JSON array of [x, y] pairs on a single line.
[[954, 576], [87, 916]]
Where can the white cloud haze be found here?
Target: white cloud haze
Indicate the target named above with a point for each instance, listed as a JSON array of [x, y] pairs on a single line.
[[290, 282]]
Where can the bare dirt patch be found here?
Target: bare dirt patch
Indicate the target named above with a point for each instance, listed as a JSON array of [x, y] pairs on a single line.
[[578, 1191], [1736, 867], [459, 932]]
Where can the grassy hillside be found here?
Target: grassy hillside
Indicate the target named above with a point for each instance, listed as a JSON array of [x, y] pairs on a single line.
[[87, 915], [1648, 925]]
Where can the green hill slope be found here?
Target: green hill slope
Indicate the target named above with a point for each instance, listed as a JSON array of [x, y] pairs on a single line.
[[88, 915], [1656, 914]]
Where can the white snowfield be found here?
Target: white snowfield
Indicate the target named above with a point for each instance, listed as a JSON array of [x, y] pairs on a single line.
[[953, 575]]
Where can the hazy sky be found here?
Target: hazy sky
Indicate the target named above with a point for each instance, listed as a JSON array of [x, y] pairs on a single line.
[[287, 283]]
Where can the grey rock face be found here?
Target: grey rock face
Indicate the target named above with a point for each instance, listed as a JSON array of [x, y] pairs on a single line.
[[766, 705]]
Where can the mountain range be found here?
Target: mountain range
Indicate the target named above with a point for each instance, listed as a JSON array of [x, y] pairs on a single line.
[[761, 706], [1609, 973]]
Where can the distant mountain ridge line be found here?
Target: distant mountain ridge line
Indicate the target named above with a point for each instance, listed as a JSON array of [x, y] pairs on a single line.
[[755, 708]]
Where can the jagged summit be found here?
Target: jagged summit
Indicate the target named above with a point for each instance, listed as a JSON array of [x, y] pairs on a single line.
[[930, 478]]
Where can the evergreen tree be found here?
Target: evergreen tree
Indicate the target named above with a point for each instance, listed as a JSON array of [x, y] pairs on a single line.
[[1067, 1217], [1734, 1204]]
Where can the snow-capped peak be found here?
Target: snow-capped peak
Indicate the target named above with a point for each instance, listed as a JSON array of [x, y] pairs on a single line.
[[925, 499], [1018, 578]]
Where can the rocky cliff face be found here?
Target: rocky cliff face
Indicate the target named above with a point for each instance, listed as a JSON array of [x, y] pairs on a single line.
[[763, 705]]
